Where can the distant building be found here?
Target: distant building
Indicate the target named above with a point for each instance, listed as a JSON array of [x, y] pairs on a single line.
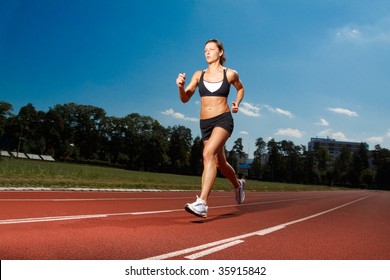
[[243, 164], [243, 159], [334, 147]]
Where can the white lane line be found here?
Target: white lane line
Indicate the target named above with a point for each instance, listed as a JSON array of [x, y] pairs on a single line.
[[222, 206], [213, 250], [155, 212], [247, 235], [51, 219], [270, 230], [78, 217], [97, 199], [87, 199], [138, 199]]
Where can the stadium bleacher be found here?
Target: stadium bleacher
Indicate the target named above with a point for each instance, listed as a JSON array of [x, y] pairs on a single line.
[[4, 154], [19, 155], [33, 156], [48, 158], [26, 156]]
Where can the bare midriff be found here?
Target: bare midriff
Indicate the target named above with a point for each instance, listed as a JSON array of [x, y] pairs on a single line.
[[213, 106]]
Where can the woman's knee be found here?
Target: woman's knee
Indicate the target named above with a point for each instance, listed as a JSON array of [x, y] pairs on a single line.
[[208, 154]]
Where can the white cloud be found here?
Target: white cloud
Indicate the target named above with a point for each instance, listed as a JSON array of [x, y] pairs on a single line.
[[348, 33], [283, 112], [323, 122], [375, 140], [289, 132], [244, 132], [375, 33], [177, 115], [249, 109], [339, 136], [325, 133], [344, 111], [279, 111]]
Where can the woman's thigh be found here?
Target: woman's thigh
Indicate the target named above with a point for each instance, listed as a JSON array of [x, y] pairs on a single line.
[[216, 143]]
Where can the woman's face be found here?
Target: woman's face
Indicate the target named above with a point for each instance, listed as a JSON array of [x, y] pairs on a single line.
[[212, 52]]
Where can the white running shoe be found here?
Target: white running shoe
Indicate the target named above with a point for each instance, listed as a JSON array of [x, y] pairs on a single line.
[[240, 194], [198, 208]]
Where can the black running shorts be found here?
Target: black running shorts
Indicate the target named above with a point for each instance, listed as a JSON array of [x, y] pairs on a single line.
[[224, 120]]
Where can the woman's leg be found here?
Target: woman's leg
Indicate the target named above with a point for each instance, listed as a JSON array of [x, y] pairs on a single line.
[[226, 169], [211, 151]]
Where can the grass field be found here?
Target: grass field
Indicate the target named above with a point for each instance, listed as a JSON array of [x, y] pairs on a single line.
[[31, 173]]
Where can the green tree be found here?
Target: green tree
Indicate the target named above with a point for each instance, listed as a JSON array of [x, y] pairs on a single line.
[[196, 158], [57, 135], [290, 161], [381, 160], [359, 163], [323, 165], [86, 121], [258, 155], [5, 114], [236, 154], [238, 148], [310, 171], [31, 124], [273, 165], [180, 140], [115, 131], [153, 145], [135, 127], [342, 165]]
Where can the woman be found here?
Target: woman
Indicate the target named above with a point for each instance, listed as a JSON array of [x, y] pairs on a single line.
[[216, 121]]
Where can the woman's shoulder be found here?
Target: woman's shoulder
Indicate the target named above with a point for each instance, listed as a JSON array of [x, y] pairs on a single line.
[[230, 71], [231, 74], [197, 74]]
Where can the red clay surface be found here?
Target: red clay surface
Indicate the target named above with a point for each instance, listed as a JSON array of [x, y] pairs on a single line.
[[334, 225]]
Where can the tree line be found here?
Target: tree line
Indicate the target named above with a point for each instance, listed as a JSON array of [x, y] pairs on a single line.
[[84, 133]]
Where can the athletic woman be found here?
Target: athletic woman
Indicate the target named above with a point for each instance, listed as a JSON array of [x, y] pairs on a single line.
[[216, 121]]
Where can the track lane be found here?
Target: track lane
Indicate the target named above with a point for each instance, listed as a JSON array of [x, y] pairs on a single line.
[[122, 234]]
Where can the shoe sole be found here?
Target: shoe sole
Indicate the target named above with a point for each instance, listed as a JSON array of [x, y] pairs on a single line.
[[242, 198], [243, 193], [189, 210]]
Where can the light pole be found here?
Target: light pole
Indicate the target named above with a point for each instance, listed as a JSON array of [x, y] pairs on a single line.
[[20, 140]]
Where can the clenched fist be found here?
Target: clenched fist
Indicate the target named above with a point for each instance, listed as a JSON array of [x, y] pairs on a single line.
[[181, 80]]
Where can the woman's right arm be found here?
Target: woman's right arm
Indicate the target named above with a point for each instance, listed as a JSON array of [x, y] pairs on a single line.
[[186, 93]]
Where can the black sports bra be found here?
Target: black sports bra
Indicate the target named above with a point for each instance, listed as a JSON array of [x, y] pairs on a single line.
[[222, 91]]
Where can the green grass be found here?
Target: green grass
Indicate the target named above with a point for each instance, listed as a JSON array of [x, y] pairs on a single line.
[[31, 173]]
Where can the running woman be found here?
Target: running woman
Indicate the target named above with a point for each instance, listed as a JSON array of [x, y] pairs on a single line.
[[216, 121]]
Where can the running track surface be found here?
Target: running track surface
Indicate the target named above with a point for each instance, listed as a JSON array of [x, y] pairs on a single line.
[[73, 225]]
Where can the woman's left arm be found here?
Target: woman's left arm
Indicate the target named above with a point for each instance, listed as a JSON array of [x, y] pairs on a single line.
[[234, 78]]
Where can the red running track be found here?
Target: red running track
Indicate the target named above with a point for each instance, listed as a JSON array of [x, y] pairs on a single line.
[[326, 225]]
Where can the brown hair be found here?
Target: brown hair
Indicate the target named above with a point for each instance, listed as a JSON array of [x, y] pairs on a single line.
[[222, 60]]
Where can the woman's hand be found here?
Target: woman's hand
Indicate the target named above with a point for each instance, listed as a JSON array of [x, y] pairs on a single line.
[[181, 80], [234, 107]]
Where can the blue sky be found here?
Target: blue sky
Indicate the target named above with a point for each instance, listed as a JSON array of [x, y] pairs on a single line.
[[310, 68]]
